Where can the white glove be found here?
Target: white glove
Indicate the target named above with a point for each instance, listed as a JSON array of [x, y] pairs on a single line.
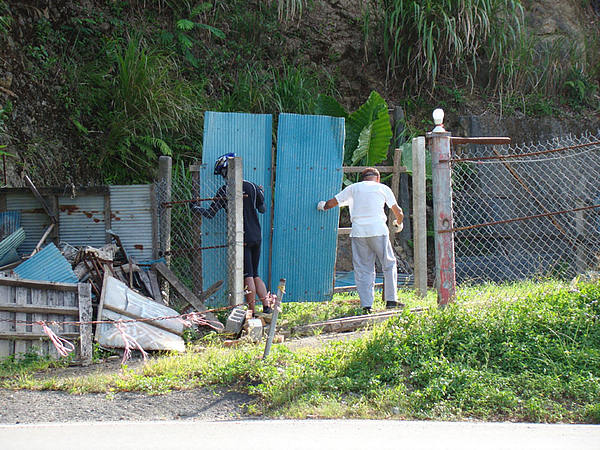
[[321, 205], [397, 226]]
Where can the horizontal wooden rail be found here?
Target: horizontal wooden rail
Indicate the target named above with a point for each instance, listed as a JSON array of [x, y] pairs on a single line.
[[382, 169], [480, 140], [39, 284], [34, 309], [33, 336], [337, 290]]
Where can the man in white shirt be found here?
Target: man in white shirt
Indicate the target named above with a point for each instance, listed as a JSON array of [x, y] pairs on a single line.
[[370, 235]]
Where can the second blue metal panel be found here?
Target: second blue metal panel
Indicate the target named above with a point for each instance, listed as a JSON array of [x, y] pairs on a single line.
[[310, 152]]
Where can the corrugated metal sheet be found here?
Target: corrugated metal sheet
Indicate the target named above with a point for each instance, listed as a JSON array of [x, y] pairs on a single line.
[[10, 221], [47, 265], [8, 247], [248, 136], [81, 220], [131, 220], [34, 219], [309, 168]]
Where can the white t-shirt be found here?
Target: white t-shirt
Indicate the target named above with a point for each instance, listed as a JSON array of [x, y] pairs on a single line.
[[366, 200]]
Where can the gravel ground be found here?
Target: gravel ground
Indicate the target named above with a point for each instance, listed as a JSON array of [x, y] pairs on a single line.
[[24, 406], [57, 406]]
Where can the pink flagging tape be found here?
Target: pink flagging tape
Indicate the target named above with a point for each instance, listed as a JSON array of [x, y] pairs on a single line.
[[130, 343], [63, 347]]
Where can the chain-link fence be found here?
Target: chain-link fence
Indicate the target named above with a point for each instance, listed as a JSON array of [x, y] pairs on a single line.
[[196, 247], [527, 213]]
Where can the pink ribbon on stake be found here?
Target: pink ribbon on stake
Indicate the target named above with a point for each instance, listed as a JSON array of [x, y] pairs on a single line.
[[130, 343], [63, 347]]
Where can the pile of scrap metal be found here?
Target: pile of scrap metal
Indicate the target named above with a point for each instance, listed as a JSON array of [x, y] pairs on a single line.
[[128, 301]]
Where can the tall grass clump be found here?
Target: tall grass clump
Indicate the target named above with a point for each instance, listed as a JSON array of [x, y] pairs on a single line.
[[133, 94], [427, 39], [531, 359]]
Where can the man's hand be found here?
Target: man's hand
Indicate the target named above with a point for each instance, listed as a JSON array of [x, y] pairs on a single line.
[[321, 205], [398, 227]]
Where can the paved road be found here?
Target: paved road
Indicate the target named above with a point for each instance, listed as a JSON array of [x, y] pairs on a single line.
[[300, 434]]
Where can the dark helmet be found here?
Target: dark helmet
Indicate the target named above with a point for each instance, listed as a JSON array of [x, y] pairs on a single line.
[[221, 164]]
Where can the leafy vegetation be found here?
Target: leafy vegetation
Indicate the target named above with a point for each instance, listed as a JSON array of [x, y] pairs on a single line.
[[368, 129], [135, 82], [521, 356]]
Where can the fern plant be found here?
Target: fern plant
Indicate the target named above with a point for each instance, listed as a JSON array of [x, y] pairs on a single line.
[[181, 36]]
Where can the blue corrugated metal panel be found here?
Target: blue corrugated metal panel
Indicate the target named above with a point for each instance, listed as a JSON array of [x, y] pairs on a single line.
[[309, 169], [81, 220], [8, 247], [248, 136], [10, 221], [131, 220], [47, 265], [34, 219]]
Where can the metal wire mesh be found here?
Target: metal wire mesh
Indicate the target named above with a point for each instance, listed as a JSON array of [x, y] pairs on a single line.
[[197, 248], [529, 212]]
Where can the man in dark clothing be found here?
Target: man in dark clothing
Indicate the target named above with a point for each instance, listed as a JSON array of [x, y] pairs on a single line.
[[253, 203]]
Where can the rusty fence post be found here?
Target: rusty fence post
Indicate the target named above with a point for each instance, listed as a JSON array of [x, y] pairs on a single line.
[[445, 272]]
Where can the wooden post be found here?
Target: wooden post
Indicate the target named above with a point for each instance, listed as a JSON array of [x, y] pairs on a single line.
[[235, 230], [419, 181], [197, 261], [442, 216], [402, 196], [273, 324], [396, 190]]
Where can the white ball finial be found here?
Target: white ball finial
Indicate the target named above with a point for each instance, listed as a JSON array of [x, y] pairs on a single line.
[[438, 120]]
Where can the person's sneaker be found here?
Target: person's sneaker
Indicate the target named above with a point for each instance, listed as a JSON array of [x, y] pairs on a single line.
[[393, 305], [367, 310], [267, 310]]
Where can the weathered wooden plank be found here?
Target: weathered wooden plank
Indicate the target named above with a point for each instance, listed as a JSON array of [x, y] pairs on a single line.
[[70, 301], [382, 169], [346, 323], [339, 289], [186, 294], [55, 299], [38, 298], [146, 282], [85, 328], [25, 337], [101, 305], [20, 319], [156, 293], [39, 284], [33, 309], [6, 318]]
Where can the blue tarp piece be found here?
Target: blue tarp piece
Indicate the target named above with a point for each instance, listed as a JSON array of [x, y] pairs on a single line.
[[47, 265], [145, 265], [310, 151]]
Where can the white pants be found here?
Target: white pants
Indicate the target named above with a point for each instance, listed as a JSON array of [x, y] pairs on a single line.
[[364, 252]]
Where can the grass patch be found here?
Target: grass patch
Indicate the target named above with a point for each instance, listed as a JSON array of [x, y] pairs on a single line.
[[527, 353]]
